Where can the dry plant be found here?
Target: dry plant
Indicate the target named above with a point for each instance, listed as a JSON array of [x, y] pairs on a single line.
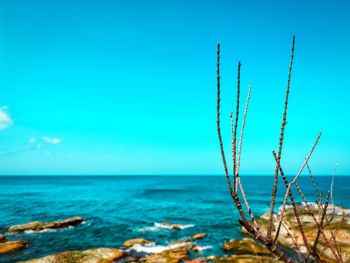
[[268, 237]]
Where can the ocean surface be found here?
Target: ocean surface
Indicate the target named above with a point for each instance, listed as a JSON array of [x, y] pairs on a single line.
[[124, 207]]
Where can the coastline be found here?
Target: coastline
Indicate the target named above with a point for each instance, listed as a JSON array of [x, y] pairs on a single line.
[[120, 208]]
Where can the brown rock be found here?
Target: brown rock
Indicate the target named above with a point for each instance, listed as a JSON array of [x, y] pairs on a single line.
[[174, 255], [243, 259], [131, 259], [199, 236], [211, 257], [181, 241], [12, 246], [197, 260], [310, 229], [96, 255], [245, 246], [2, 238], [37, 226], [136, 241], [176, 227]]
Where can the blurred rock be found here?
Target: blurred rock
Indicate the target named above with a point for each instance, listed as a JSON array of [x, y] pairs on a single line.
[[136, 241], [12, 246], [96, 255], [38, 226]]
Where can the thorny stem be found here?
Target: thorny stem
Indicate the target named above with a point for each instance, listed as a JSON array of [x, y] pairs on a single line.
[[295, 210], [234, 133], [238, 181], [255, 229], [250, 212], [312, 180], [320, 227], [242, 131], [272, 246], [333, 236], [300, 254], [284, 122], [289, 187], [233, 194], [255, 232], [307, 158], [218, 118]]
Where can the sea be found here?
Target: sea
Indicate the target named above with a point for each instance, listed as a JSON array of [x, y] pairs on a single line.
[[118, 208]]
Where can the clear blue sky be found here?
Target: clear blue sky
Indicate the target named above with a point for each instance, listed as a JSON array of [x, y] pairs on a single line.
[[129, 87]]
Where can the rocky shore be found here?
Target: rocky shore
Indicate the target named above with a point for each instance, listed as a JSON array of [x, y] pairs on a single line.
[[142, 250]]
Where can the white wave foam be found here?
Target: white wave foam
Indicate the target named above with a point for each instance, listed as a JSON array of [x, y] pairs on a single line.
[[40, 231], [152, 248], [157, 226], [148, 229], [200, 248], [48, 230]]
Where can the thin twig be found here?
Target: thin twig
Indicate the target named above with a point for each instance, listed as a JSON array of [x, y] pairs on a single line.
[[250, 212], [312, 180], [333, 237], [242, 130], [321, 229], [320, 226], [294, 241], [295, 210], [238, 181], [292, 182]]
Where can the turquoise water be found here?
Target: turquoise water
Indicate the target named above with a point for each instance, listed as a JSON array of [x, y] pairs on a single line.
[[124, 207]]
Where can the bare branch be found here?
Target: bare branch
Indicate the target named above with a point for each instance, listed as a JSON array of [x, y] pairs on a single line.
[[270, 245], [218, 118], [238, 181], [234, 133], [292, 182], [253, 227], [295, 210], [300, 254], [233, 194], [312, 180], [250, 212], [320, 226], [242, 130], [333, 237], [299, 223], [307, 157], [284, 122]]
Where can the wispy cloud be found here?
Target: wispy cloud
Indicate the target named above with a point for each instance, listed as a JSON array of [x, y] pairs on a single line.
[[52, 140], [5, 118], [38, 143]]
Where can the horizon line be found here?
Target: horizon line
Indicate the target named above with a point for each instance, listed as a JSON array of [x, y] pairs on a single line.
[[144, 175]]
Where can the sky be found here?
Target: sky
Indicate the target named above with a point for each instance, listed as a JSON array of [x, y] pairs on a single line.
[[129, 87]]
